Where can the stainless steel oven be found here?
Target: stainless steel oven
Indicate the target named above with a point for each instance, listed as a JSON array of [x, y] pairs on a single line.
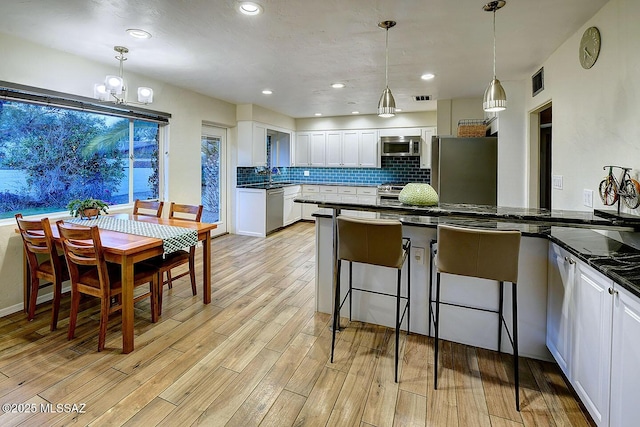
[[389, 191]]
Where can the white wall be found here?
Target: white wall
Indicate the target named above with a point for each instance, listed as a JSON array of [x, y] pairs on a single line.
[[35, 65], [368, 121], [595, 111]]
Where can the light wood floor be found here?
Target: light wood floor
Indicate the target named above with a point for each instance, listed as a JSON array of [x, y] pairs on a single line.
[[258, 355]]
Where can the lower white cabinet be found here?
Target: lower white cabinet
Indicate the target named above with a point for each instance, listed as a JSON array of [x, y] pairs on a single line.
[[307, 208], [625, 374], [251, 211], [560, 311], [292, 210], [591, 359], [593, 332]]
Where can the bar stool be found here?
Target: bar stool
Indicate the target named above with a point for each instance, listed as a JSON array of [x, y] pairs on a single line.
[[375, 242], [486, 254]]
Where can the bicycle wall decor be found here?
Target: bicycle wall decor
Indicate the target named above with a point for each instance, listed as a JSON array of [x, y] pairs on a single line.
[[613, 189]]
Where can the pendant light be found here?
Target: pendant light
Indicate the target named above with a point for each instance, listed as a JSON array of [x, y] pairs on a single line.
[[387, 105], [495, 99]]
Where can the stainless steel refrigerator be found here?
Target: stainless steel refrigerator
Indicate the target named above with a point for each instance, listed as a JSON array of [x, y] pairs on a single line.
[[465, 170]]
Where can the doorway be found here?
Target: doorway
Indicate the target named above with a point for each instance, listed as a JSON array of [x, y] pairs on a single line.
[[214, 188], [544, 140]]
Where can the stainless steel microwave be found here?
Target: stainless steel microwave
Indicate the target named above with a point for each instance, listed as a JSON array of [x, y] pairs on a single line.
[[400, 145]]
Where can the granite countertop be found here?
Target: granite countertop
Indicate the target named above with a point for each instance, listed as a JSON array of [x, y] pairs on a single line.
[[617, 261], [482, 212], [275, 184]]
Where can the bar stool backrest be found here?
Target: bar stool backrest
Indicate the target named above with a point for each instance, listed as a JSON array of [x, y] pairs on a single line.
[[370, 241], [487, 254]]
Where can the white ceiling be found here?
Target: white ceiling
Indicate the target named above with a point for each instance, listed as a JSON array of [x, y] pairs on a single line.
[[297, 48]]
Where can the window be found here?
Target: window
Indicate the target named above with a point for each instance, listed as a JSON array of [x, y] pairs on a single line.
[[50, 155]]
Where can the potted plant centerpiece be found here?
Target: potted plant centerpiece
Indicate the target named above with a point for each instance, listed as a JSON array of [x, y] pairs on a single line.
[[87, 208]]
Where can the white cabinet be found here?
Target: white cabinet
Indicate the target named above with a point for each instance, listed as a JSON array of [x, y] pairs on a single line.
[[334, 149], [307, 208], [292, 210], [591, 358], [339, 148], [311, 148], [252, 144], [368, 151], [317, 149], [560, 309], [251, 212], [593, 332], [625, 374], [302, 151], [425, 150]]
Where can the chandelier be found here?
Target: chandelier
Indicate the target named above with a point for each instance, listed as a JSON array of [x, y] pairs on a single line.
[[114, 89]]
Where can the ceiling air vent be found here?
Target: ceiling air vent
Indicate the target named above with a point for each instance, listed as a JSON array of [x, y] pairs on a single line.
[[421, 98]]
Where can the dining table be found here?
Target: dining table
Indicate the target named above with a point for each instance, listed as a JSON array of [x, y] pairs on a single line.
[[127, 249]]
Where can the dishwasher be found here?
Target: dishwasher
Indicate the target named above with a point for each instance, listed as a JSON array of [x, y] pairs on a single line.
[[275, 209]]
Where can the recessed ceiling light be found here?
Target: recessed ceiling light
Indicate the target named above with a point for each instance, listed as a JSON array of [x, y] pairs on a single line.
[[249, 8], [338, 85], [267, 92], [355, 112], [318, 114], [427, 76], [138, 33]]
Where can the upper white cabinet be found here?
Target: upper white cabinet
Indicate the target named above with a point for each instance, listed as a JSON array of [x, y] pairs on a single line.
[[339, 148], [311, 148], [303, 153], [334, 149], [368, 149], [252, 144], [317, 148], [425, 151]]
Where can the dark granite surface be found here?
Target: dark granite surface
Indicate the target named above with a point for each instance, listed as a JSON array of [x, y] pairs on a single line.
[[483, 212], [613, 259], [267, 186]]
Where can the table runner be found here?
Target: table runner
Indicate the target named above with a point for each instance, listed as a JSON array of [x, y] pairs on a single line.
[[173, 238]]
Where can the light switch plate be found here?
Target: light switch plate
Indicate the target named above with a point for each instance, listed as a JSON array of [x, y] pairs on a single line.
[[418, 255], [587, 198], [306, 173], [556, 181]]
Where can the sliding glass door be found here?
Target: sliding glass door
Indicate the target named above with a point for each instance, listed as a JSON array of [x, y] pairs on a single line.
[[213, 164]]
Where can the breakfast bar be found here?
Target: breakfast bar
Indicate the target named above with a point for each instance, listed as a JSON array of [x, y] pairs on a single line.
[[544, 233]]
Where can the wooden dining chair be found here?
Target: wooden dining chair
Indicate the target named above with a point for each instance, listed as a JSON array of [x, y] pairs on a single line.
[[92, 275], [148, 207], [38, 243], [181, 257]]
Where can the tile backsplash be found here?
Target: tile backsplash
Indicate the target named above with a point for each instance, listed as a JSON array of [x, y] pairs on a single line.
[[394, 169]]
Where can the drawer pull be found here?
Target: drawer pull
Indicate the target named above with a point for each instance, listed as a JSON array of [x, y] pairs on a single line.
[[569, 260], [612, 291]]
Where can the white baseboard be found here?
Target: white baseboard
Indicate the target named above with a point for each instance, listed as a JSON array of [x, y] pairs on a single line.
[[41, 298]]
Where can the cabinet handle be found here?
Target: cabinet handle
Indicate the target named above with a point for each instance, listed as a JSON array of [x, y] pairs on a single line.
[[569, 260], [612, 291]]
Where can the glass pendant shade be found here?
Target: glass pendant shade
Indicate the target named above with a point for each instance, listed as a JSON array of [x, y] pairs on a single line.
[[145, 95], [387, 105], [495, 98]]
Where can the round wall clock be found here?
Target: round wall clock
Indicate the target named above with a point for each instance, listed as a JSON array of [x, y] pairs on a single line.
[[589, 47]]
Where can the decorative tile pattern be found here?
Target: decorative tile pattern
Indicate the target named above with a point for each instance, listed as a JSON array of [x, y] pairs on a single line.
[[394, 169]]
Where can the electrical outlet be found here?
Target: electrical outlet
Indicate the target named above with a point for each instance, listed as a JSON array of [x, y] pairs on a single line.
[[587, 198], [556, 181], [418, 255], [306, 173]]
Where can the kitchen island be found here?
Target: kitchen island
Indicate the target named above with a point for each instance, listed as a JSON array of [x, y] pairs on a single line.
[[540, 229]]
